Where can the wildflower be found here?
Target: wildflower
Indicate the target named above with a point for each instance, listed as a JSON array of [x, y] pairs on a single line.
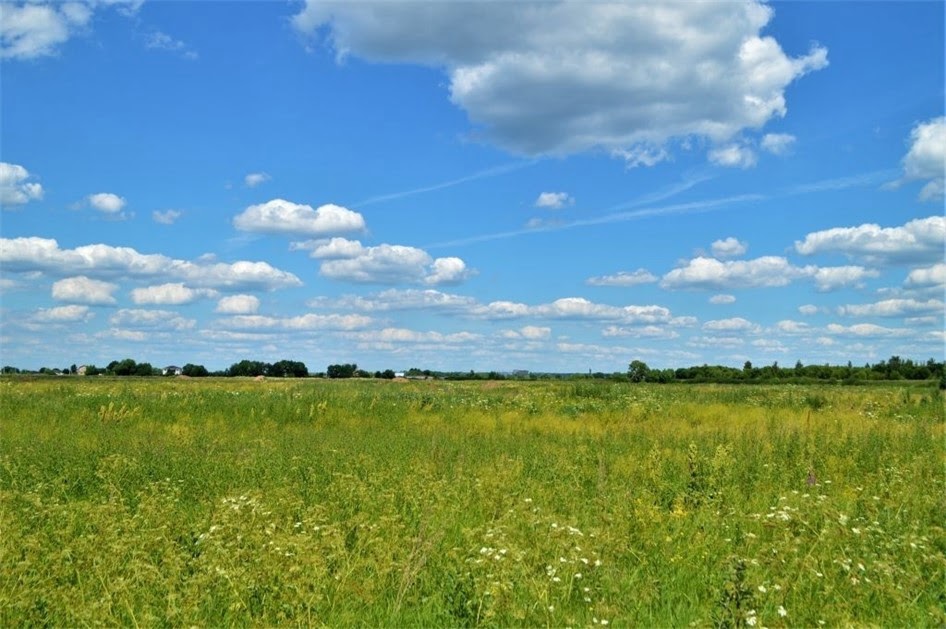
[[842, 520], [782, 611], [751, 620], [551, 608], [577, 575], [603, 621], [762, 589], [855, 530]]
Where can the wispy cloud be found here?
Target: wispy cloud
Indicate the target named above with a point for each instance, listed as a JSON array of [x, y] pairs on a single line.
[[482, 174]]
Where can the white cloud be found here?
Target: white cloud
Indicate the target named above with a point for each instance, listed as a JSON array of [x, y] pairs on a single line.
[[306, 322], [647, 331], [162, 41], [570, 76], [14, 187], [238, 304], [284, 217], [572, 308], [23, 255], [33, 30], [170, 294], [350, 261], [106, 202], [254, 179], [82, 290], [729, 248], [734, 324], [152, 319], [709, 273], [808, 309], [716, 341], [788, 326], [623, 278], [831, 278], [166, 218], [926, 159], [866, 330], [777, 143], [722, 299], [529, 332], [62, 314], [554, 200], [733, 156], [919, 240], [892, 308], [402, 335], [398, 299], [929, 276], [642, 155]]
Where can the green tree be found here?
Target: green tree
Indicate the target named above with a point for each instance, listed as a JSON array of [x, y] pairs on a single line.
[[638, 371]]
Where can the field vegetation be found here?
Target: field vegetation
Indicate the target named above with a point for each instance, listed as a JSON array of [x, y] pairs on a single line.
[[211, 502]]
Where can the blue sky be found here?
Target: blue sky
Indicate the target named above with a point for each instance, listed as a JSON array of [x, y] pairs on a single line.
[[549, 186]]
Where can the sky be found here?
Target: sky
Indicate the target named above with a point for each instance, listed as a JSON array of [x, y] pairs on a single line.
[[454, 185]]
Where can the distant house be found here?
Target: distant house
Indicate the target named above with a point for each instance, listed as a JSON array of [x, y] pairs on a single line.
[[81, 370], [172, 370], [398, 374]]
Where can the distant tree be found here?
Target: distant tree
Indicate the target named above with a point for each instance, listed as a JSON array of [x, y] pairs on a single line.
[[638, 371], [7, 369], [144, 369], [125, 367], [194, 371], [342, 371], [388, 374], [73, 369], [248, 368]]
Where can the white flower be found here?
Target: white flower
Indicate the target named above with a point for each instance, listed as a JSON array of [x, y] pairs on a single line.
[[751, 620], [782, 611], [762, 589]]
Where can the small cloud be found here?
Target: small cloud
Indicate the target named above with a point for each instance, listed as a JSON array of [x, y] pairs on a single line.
[[254, 179], [808, 309], [238, 305], [729, 248], [722, 299], [926, 159], [162, 41], [14, 187], [554, 200], [733, 156], [83, 290], [623, 278], [167, 217], [106, 202], [778, 143], [641, 155]]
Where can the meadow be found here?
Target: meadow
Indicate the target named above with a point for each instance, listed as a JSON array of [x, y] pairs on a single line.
[[183, 502]]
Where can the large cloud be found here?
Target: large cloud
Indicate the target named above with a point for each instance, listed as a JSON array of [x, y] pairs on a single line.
[[83, 290], [100, 260], [171, 294], [34, 30], [285, 217], [561, 77], [893, 308], [926, 160], [350, 261], [710, 273], [919, 240], [14, 187]]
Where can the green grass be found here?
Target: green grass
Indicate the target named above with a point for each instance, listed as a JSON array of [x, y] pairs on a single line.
[[219, 502]]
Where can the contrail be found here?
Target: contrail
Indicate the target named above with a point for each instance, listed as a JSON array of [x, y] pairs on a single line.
[[483, 174]]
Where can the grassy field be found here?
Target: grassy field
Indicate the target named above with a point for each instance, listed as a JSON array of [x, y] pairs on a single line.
[[219, 502]]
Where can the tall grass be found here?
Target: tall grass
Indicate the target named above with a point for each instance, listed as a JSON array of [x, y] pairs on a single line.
[[189, 502]]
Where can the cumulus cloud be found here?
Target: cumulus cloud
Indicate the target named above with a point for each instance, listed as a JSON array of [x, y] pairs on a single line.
[[170, 294], [733, 156], [926, 159], [722, 299], [254, 179], [151, 319], [565, 77], [33, 30], [572, 308], [106, 202], [167, 217], [402, 335], [238, 304], [62, 314], [398, 299], [709, 273], [350, 261], [787, 326], [285, 217], [919, 240], [306, 322], [808, 309], [529, 332], [735, 324], [14, 187], [729, 248], [866, 330], [24, 255], [892, 308], [927, 276], [83, 290], [554, 200], [646, 331], [623, 278], [831, 278], [777, 143]]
